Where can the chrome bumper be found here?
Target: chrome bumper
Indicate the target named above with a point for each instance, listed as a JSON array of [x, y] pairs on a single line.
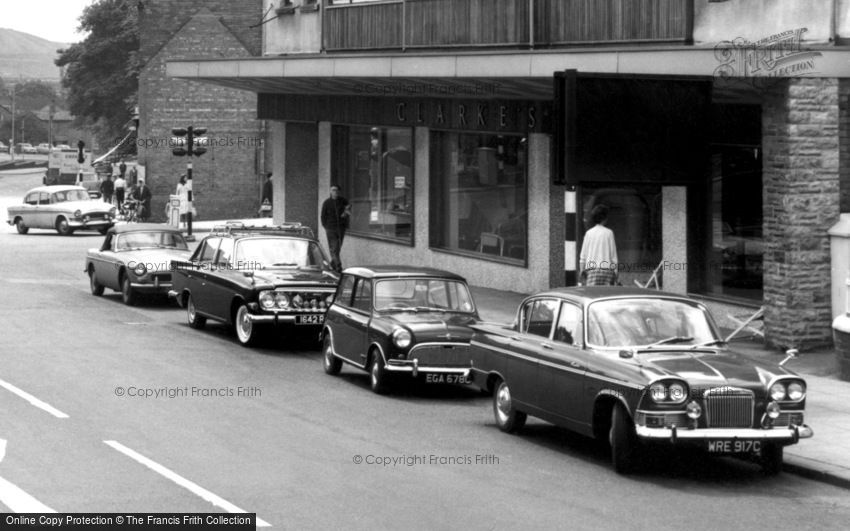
[[412, 366], [142, 286], [278, 318], [85, 224], [708, 434], [172, 294]]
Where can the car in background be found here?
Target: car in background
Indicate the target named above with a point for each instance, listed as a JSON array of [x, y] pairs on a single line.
[[634, 367], [63, 208], [24, 147], [62, 147], [4, 148], [43, 149], [135, 258], [391, 320], [255, 279]]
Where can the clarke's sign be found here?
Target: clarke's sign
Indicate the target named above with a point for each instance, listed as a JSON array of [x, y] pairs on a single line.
[[468, 114], [780, 55]]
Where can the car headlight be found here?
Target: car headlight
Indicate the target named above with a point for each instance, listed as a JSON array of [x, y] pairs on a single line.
[[402, 338], [78, 213], [773, 410], [266, 300], [677, 392], [140, 269], [777, 391], [694, 410], [658, 392], [297, 301], [281, 300], [329, 300], [796, 391]]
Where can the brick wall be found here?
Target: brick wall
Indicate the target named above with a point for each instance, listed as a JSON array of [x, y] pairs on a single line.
[[226, 179], [844, 142], [800, 128]]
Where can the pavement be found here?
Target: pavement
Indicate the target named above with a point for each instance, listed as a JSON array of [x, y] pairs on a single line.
[[824, 457]]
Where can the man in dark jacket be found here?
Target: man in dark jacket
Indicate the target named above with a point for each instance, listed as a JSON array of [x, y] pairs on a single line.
[[335, 216], [107, 187], [143, 195]]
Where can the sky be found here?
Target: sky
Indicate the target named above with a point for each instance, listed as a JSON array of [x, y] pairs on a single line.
[[54, 20]]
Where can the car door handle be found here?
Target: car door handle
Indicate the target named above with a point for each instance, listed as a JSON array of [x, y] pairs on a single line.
[[516, 338], [576, 364], [347, 315], [547, 346]]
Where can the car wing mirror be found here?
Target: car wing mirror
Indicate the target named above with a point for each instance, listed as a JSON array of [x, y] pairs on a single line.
[[627, 354], [789, 355]]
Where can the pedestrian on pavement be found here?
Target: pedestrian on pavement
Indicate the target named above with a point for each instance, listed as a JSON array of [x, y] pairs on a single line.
[[268, 193], [122, 168], [119, 186], [336, 213], [107, 187], [598, 258], [183, 193], [143, 195]]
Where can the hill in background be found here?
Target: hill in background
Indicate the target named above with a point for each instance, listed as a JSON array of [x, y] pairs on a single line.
[[29, 57]]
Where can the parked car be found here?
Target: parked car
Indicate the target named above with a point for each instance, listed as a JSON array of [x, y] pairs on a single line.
[[62, 147], [633, 367], [64, 208], [391, 320], [4, 148], [23, 147], [43, 148], [135, 258], [256, 277]]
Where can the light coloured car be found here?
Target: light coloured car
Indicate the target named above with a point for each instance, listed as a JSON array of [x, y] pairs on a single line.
[[63, 208], [43, 148]]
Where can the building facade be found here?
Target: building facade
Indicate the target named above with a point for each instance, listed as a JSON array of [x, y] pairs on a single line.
[[477, 136]]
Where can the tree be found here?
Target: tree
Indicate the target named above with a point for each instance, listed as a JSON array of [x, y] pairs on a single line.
[[30, 96], [102, 71]]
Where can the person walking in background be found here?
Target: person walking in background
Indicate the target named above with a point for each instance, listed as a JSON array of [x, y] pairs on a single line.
[[183, 193], [598, 258], [267, 199], [336, 213], [119, 186], [143, 195], [107, 187]]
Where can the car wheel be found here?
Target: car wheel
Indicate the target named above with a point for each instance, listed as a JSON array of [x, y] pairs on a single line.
[[508, 419], [22, 228], [624, 443], [246, 331], [195, 321], [127, 293], [331, 363], [96, 287], [63, 228], [378, 377], [771, 459]]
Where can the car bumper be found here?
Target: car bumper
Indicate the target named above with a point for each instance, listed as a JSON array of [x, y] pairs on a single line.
[[413, 367], [93, 224], [287, 318], [153, 286], [674, 435]]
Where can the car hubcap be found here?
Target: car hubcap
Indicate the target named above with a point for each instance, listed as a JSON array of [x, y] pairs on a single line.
[[63, 225], [328, 355], [503, 402], [126, 290], [190, 309], [375, 372], [244, 324]]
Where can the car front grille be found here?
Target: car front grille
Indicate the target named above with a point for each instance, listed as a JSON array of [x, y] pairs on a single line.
[[161, 277], [305, 301], [443, 355], [729, 407]]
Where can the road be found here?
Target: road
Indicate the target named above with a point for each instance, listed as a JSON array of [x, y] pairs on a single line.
[[302, 449]]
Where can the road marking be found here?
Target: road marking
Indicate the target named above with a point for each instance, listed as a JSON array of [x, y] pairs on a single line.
[[183, 482], [33, 400], [16, 499]]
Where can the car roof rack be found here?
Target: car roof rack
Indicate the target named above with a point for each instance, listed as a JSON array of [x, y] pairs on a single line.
[[286, 228]]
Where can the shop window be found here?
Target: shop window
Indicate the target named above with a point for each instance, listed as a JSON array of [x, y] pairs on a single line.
[[374, 166], [737, 241], [479, 201], [634, 216]]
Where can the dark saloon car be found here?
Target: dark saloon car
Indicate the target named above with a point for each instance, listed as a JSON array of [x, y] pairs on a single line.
[[135, 258], [632, 367], [255, 278], [398, 319]]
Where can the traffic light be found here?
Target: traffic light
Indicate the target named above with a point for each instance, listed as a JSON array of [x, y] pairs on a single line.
[[81, 156], [192, 141]]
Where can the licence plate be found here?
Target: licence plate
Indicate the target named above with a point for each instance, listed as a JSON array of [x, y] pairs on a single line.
[[446, 378], [734, 447], [309, 319]]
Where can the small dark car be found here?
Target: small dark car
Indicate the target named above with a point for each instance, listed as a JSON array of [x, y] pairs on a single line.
[[399, 319], [254, 278], [632, 367]]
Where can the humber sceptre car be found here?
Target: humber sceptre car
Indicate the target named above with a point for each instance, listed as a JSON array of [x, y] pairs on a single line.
[[392, 320], [254, 278], [63, 208], [633, 366], [135, 258]]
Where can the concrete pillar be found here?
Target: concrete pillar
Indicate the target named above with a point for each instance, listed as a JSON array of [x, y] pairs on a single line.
[[674, 254]]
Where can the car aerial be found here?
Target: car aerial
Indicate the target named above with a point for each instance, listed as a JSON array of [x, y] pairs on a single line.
[[43, 148], [634, 367], [256, 277], [135, 258], [63, 208], [391, 320]]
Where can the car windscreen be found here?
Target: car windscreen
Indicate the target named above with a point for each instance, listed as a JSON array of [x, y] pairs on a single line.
[[423, 294], [143, 240], [260, 253], [641, 322], [70, 195]]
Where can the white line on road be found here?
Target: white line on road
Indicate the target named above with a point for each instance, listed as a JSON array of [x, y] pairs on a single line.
[[183, 482], [2, 449], [33, 400], [19, 501]]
